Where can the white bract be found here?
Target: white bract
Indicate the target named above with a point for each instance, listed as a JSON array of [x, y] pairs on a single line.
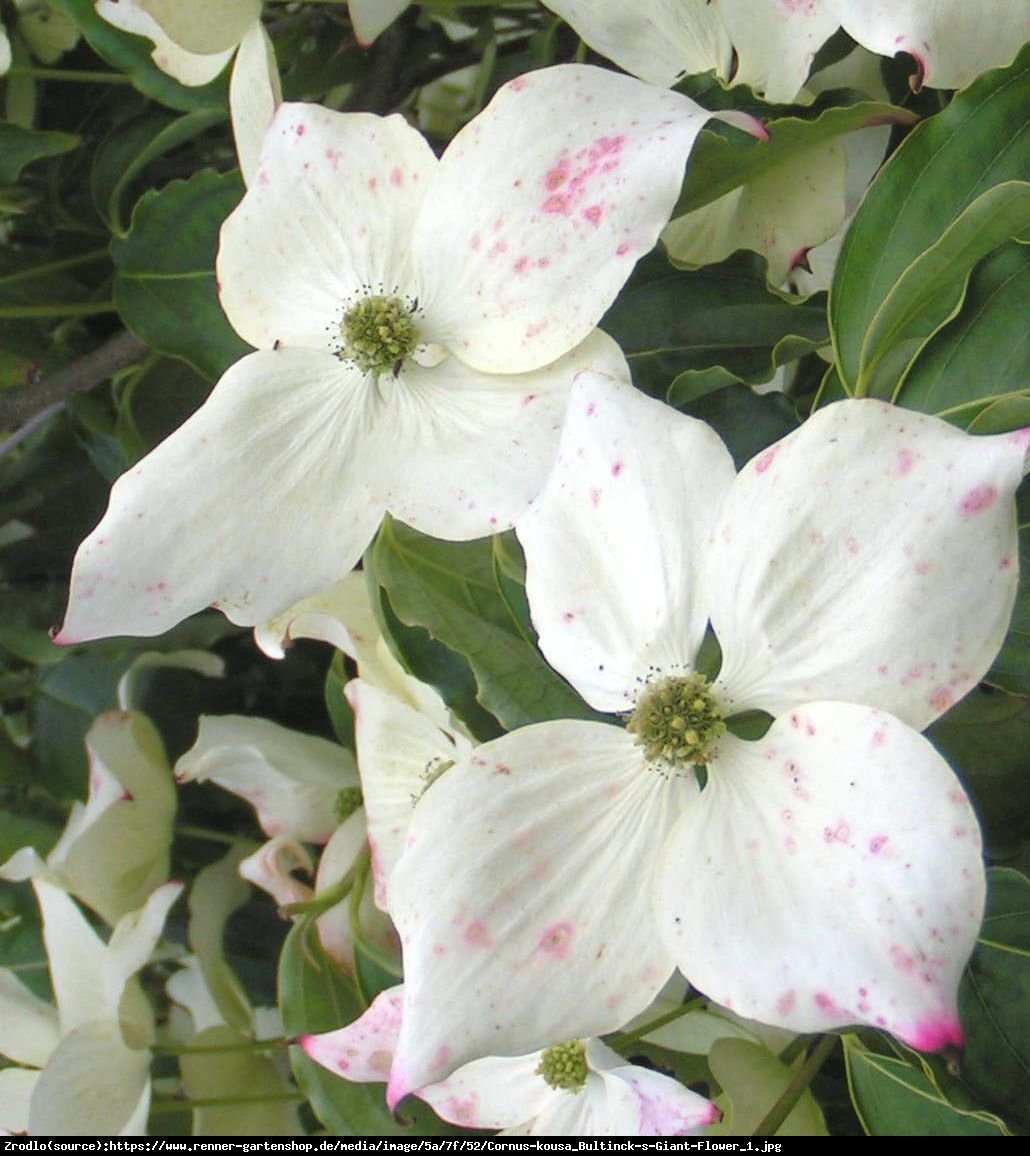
[[859, 576], [92, 1048], [195, 39], [418, 324], [579, 1088], [770, 44], [292, 780], [371, 17], [115, 848]]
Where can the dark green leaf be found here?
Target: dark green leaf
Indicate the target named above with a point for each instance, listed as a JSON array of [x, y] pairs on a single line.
[[132, 146], [315, 996], [722, 161], [974, 371], [985, 738], [980, 140], [895, 1098], [1011, 669], [714, 325], [995, 1001], [165, 285], [451, 590], [746, 421], [930, 290], [21, 146]]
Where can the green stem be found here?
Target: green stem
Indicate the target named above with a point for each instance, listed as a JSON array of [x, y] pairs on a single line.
[[214, 1049], [54, 266], [77, 309], [625, 1038], [70, 74], [192, 832], [773, 1120], [163, 1106], [329, 897]]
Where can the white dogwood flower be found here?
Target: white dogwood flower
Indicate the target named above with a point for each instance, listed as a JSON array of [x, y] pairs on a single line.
[[770, 44], [576, 1088], [418, 324], [83, 1067], [858, 576]]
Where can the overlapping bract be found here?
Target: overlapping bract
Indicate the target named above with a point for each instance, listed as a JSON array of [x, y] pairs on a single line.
[[863, 565]]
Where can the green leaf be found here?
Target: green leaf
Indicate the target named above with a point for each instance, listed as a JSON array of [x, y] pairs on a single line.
[[315, 996], [21, 146], [746, 421], [131, 55], [230, 1073], [974, 371], [894, 1098], [165, 284], [981, 140], [132, 146], [715, 325], [985, 738], [994, 1000], [752, 1081], [433, 663], [1011, 669], [930, 290], [453, 592], [723, 162]]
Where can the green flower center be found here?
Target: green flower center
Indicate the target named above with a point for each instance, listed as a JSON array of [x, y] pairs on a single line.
[[676, 720], [565, 1066], [347, 802], [378, 333]]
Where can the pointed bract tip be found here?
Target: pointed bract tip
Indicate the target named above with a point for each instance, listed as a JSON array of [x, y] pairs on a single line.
[[396, 1089], [59, 636], [940, 1034]]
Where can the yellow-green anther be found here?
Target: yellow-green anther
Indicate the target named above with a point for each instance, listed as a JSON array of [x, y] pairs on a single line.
[[377, 333], [565, 1066], [677, 720], [347, 802]]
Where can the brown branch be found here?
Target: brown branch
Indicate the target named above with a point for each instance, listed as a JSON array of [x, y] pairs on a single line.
[[20, 405]]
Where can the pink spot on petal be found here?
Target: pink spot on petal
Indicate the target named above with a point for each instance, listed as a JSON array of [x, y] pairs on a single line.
[[623, 248], [476, 935], [978, 499], [568, 616], [877, 843], [397, 178], [942, 699], [906, 460], [853, 546], [617, 468], [300, 130], [827, 1005], [766, 459], [593, 213], [595, 496], [556, 941], [902, 959], [785, 1004], [521, 266]]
